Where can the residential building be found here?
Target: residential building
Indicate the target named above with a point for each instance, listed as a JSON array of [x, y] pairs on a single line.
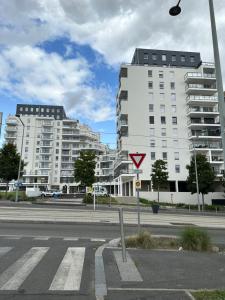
[[167, 105], [51, 144]]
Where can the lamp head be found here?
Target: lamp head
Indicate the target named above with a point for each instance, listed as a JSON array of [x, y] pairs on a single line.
[[175, 10]]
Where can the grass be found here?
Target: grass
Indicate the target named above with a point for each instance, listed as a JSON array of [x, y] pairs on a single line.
[[195, 239], [11, 196], [209, 295], [145, 241], [88, 199]]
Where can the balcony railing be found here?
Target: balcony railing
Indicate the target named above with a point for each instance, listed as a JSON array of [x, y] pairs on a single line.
[[199, 75], [202, 98], [200, 86]]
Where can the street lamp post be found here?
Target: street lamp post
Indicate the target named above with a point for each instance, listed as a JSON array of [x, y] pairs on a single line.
[[174, 11], [196, 177], [20, 162]]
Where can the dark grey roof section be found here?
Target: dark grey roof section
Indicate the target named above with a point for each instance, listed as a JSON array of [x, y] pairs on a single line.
[[153, 57], [53, 111]]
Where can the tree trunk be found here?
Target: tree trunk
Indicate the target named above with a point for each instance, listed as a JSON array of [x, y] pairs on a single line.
[[203, 202], [158, 194]]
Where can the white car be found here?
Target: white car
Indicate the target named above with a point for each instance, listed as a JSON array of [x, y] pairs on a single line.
[[51, 193]]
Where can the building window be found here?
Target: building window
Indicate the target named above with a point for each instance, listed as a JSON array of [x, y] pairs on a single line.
[[164, 143], [163, 120], [175, 131], [151, 120], [162, 108], [164, 155], [42, 109], [161, 85], [151, 99], [57, 151], [160, 74], [174, 120], [174, 58], [151, 107], [192, 59], [176, 155], [27, 135], [149, 73], [162, 96], [154, 56], [174, 108], [26, 149], [27, 142], [150, 85], [164, 57], [172, 75], [175, 143], [163, 131], [145, 55], [177, 168], [37, 109], [152, 143], [21, 108], [183, 58], [152, 131], [152, 155], [173, 97], [172, 85]]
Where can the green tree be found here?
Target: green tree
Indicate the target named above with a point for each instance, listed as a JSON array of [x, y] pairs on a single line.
[[84, 168], [205, 173], [159, 175], [9, 163]]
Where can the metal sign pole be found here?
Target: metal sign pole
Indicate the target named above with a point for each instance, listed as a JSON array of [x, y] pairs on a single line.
[[122, 235], [94, 198], [138, 207]]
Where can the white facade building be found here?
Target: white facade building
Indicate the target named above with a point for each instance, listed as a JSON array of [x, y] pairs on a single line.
[[51, 144], [166, 105]]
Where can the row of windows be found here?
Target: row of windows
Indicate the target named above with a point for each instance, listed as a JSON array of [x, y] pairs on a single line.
[[161, 74], [163, 120], [163, 132], [163, 108], [173, 97], [37, 109], [164, 143], [164, 155], [161, 85], [174, 58]]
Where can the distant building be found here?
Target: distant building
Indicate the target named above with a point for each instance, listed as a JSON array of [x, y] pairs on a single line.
[[51, 144], [167, 105]]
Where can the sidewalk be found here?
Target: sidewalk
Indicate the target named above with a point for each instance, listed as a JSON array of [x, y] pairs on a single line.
[[164, 274]]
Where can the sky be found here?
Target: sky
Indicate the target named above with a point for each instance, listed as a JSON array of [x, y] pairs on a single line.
[[68, 52]]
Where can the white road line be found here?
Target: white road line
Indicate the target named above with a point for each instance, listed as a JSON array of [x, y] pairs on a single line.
[[4, 250], [68, 275], [151, 290], [71, 239], [189, 295], [41, 238], [15, 275], [12, 237], [98, 240]]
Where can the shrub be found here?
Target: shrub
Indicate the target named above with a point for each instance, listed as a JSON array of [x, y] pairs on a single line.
[[142, 240], [195, 239], [88, 199]]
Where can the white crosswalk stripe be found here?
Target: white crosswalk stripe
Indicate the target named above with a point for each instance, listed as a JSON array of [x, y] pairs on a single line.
[[14, 276], [41, 238], [69, 273]]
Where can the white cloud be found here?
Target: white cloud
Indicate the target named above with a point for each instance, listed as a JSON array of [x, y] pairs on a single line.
[[30, 73]]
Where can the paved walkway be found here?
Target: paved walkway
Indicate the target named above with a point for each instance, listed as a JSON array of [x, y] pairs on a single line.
[[45, 214], [164, 274]]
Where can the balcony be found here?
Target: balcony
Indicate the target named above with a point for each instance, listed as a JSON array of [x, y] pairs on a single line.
[[202, 100], [216, 160], [200, 89], [11, 128], [210, 122], [204, 134], [197, 77], [202, 111], [205, 146]]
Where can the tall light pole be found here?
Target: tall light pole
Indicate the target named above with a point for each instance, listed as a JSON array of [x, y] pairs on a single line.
[[20, 162], [196, 177], [174, 11]]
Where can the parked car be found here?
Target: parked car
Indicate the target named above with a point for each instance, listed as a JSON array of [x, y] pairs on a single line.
[[100, 191], [51, 193]]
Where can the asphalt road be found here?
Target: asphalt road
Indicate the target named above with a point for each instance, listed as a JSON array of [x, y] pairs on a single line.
[[102, 231]]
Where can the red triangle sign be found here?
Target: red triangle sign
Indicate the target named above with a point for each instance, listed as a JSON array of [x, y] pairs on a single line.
[[137, 158]]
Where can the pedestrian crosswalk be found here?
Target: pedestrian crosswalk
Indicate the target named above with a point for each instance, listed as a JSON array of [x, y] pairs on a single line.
[[46, 238], [68, 275]]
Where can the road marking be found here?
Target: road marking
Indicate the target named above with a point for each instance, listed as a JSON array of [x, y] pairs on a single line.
[[152, 290], [189, 295], [41, 238], [15, 275], [12, 237], [4, 250], [98, 240], [68, 275], [128, 270], [71, 239]]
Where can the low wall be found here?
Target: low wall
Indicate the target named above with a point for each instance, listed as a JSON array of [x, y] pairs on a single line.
[[187, 198]]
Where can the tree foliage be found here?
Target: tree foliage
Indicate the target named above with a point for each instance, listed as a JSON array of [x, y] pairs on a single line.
[[159, 175], [9, 162], [205, 173], [84, 168]]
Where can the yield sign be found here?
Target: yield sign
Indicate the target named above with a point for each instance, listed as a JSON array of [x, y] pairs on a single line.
[[137, 158]]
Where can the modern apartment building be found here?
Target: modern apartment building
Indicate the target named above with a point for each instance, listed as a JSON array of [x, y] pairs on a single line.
[[167, 106], [51, 144]]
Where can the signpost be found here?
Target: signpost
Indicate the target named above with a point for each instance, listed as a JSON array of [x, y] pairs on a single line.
[[137, 159]]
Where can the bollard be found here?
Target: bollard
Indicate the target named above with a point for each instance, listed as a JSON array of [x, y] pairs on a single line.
[[122, 235]]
